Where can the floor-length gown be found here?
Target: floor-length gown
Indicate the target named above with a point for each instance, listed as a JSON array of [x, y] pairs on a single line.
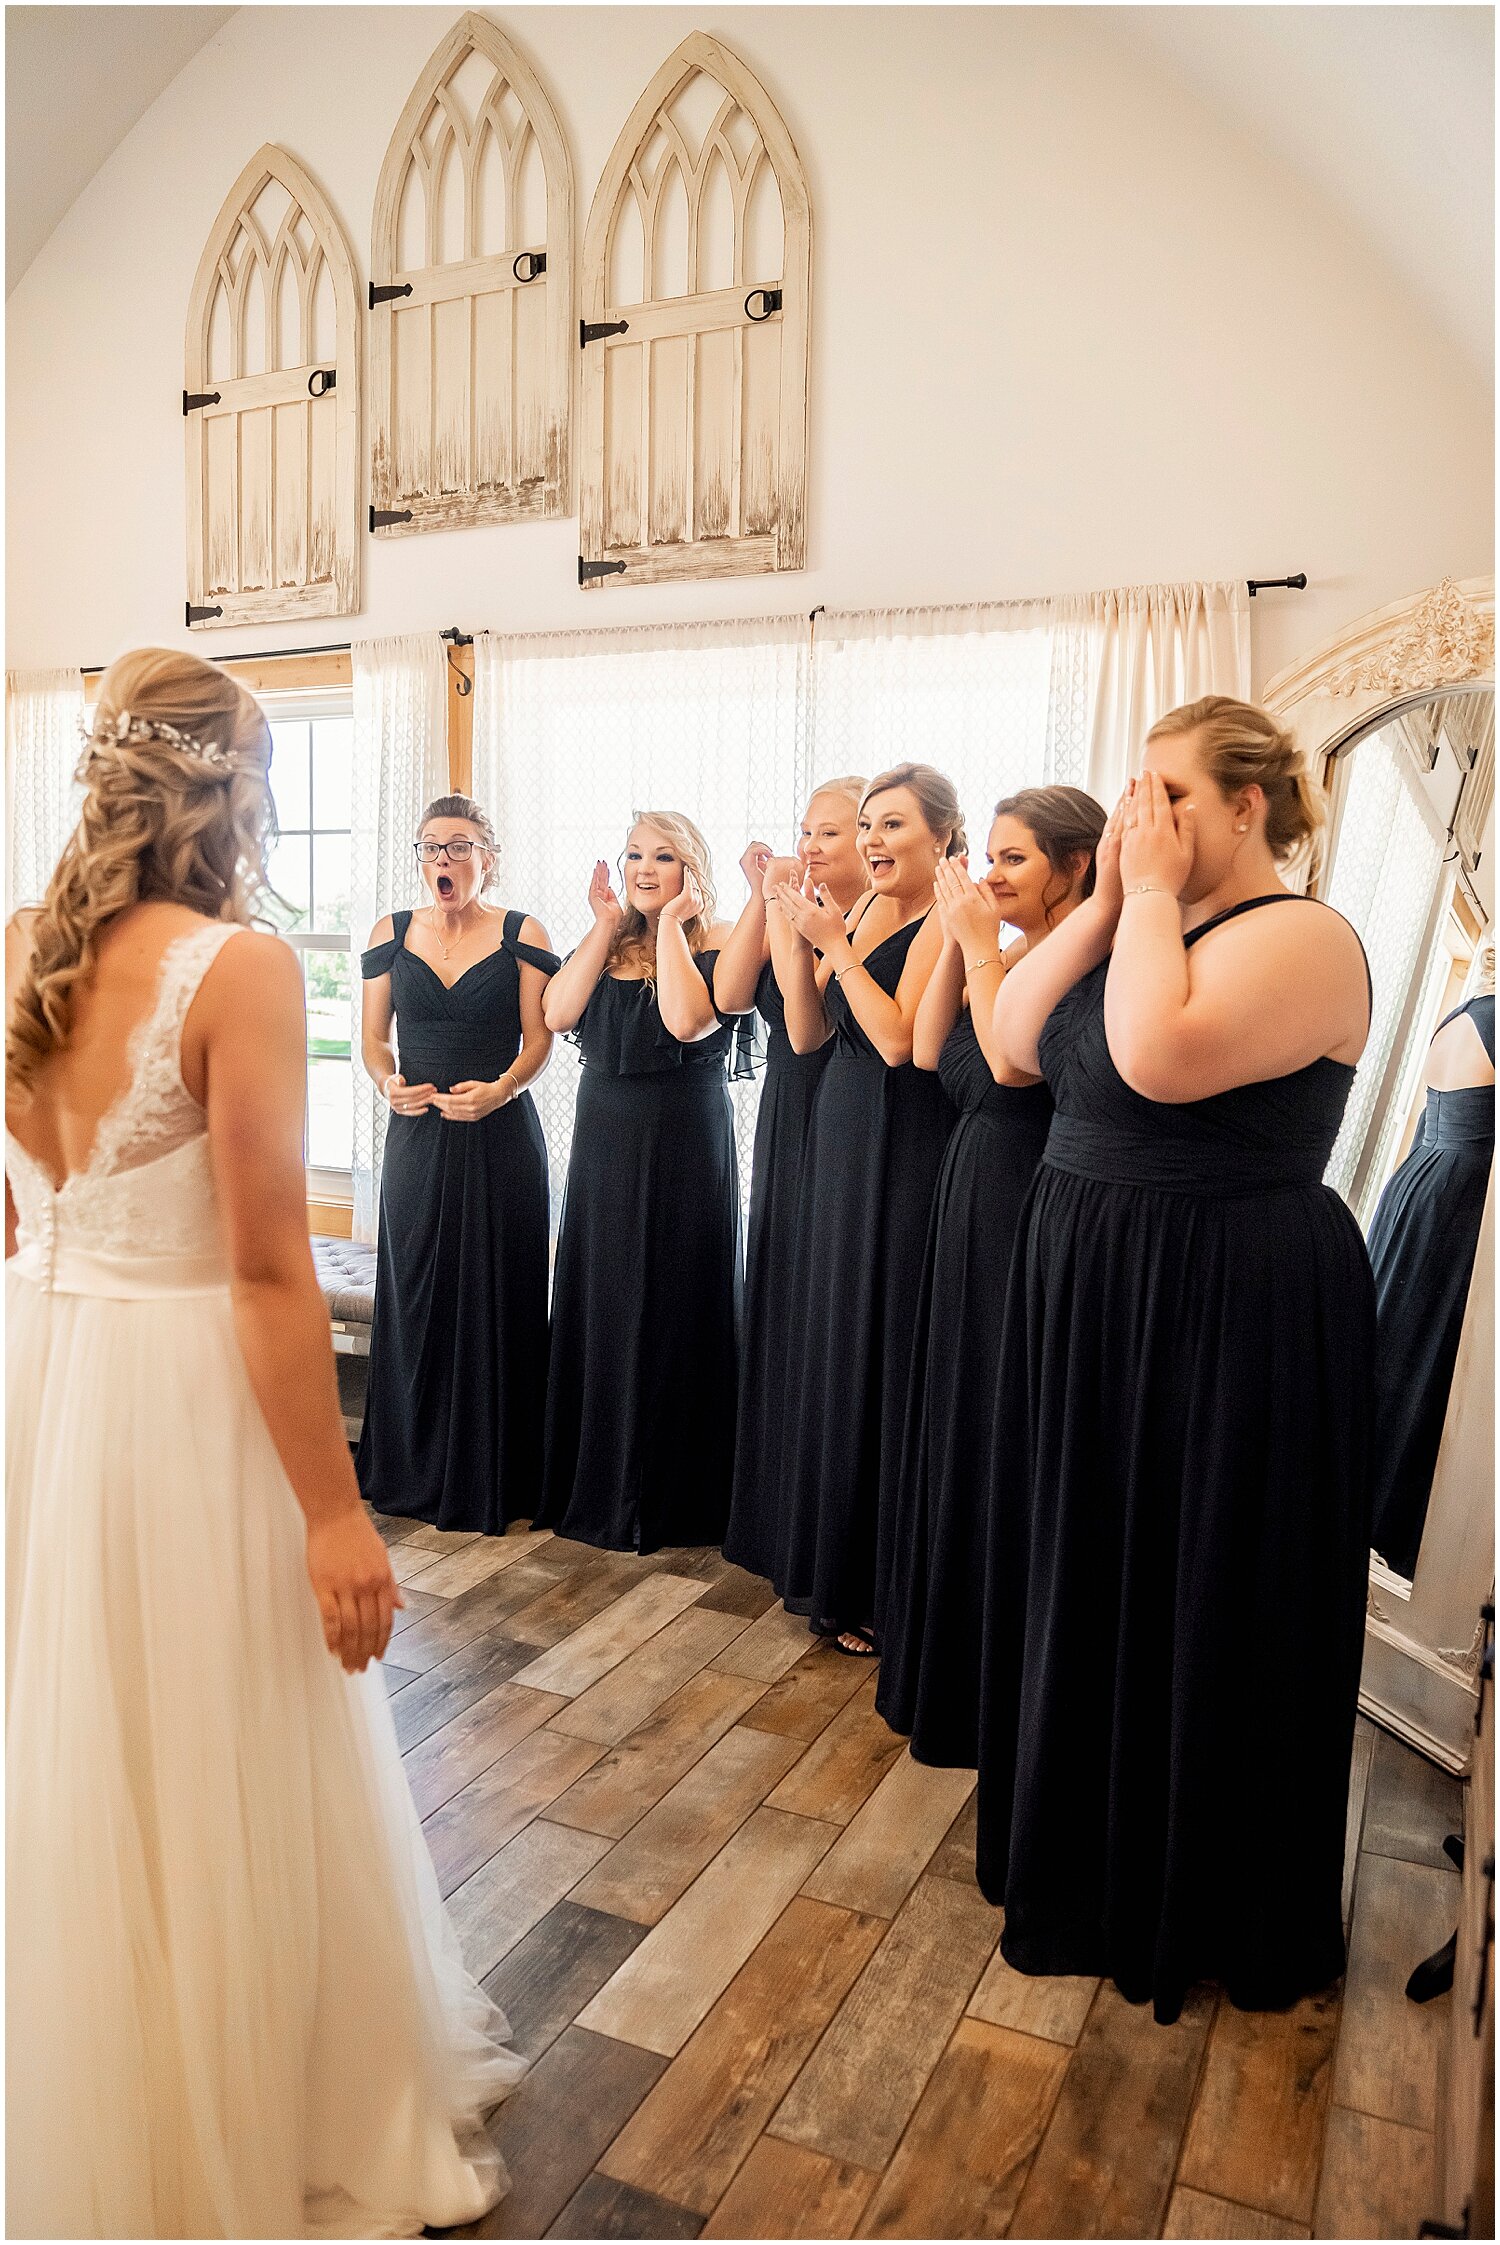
[[646, 1294], [1422, 1246], [770, 1346], [870, 1172], [934, 1606], [458, 1347], [1179, 1533], [235, 2006]]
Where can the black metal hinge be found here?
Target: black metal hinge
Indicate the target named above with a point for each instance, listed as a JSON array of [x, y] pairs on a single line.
[[192, 400], [201, 615], [380, 516], [590, 331], [388, 294], [589, 570], [536, 259], [770, 301]]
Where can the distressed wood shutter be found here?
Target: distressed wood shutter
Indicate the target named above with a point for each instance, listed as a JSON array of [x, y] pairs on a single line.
[[694, 337], [271, 407], [471, 333]]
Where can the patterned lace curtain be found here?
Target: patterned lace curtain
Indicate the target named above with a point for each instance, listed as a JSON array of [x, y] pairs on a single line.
[[43, 709], [1386, 877], [996, 697], [573, 732], [400, 766]]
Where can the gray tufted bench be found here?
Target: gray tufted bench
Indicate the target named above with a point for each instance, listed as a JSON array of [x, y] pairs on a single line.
[[346, 1274]]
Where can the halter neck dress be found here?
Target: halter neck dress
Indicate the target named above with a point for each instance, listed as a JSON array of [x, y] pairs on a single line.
[[770, 1345], [1179, 1532], [646, 1293], [1422, 1246], [458, 1347], [870, 1171], [930, 1637]]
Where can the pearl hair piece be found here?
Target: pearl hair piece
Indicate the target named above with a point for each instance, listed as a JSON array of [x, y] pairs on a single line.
[[109, 730]]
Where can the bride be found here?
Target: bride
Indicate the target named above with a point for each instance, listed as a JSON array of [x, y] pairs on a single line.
[[235, 2005]]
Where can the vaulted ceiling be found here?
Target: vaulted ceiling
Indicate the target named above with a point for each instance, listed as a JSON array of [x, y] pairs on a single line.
[[1387, 111]]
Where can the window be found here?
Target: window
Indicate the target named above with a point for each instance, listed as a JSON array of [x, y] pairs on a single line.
[[311, 767]]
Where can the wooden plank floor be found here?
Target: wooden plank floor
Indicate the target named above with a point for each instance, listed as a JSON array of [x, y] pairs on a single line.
[[737, 1934]]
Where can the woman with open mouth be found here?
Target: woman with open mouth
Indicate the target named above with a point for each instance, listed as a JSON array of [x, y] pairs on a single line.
[[1041, 867], [645, 1298], [876, 1144], [745, 978], [458, 1347]]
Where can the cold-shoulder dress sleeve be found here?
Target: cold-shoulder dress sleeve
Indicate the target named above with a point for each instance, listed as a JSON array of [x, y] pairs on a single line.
[[529, 954], [381, 957]]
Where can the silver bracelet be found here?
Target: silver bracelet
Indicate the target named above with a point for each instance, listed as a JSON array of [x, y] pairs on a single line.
[[1148, 888]]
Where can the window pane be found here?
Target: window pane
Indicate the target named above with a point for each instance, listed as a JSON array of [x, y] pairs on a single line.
[[330, 1114], [331, 884], [289, 878], [289, 778], [328, 1019], [333, 756]]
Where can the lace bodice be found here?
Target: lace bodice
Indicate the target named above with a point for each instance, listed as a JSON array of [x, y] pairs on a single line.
[[139, 1218]]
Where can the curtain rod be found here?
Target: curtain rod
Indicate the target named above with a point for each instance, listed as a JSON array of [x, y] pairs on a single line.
[[453, 635], [457, 638]]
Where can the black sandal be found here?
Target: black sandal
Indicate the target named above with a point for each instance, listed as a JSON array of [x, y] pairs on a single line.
[[867, 1649]]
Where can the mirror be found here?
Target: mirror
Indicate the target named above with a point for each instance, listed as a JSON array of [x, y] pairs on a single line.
[[1396, 711], [1411, 801]]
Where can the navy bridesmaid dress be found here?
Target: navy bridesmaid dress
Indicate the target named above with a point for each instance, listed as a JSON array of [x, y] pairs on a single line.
[[646, 1293], [458, 1348], [1422, 1246], [1179, 1534]]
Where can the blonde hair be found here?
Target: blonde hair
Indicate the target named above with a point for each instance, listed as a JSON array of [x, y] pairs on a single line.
[[176, 809], [851, 786], [936, 797], [1484, 969], [1240, 745], [634, 942], [464, 807]]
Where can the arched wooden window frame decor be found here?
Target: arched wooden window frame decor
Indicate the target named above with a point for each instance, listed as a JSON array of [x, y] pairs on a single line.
[[478, 378], [273, 455], [673, 521]]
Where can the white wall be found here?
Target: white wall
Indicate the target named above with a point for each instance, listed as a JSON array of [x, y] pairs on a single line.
[[1071, 329]]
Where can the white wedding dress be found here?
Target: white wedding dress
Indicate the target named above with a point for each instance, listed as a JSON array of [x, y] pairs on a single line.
[[235, 2005]]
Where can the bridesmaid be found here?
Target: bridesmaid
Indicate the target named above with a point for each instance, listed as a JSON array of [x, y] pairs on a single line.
[[873, 1153], [458, 1348], [1422, 1246], [745, 977], [645, 1299], [1179, 1526], [1041, 856]]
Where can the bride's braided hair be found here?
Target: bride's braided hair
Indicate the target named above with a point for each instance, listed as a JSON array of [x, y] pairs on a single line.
[[177, 809]]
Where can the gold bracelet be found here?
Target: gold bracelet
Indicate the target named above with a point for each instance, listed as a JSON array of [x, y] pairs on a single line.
[[978, 963], [516, 1083], [840, 972], [1148, 888]]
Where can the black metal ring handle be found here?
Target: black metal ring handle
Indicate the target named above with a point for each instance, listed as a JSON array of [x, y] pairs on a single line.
[[323, 375], [537, 263], [770, 301]]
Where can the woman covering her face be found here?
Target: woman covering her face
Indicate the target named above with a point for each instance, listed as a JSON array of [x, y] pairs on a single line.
[[1179, 1497], [645, 1300], [453, 1036]]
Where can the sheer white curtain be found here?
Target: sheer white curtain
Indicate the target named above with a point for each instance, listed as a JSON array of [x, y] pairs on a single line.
[[997, 697], [1386, 876], [400, 766], [1148, 648], [43, 710], [573, 732]]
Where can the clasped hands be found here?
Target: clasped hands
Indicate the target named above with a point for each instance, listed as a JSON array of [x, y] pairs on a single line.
[[467, 1102]]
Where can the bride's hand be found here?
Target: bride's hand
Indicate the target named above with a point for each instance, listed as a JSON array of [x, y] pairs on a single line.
[[350, 1572]]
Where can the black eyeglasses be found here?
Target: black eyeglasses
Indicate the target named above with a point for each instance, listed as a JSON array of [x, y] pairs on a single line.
[[456, 852]]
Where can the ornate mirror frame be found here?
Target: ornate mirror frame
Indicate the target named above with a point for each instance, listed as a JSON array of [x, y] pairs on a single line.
[[1422, 1638]]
